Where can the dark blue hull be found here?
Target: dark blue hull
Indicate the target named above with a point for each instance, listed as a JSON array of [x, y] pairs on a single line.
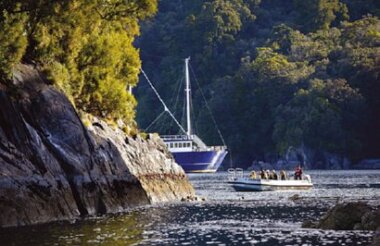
[[200, 161]]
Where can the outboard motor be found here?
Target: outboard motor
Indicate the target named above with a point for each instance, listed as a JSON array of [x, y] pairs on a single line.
[[308, 178]]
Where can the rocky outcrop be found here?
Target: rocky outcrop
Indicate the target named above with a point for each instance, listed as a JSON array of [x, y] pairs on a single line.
[[349, 216], [54, 168]]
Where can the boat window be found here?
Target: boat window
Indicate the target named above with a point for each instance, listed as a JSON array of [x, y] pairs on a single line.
[[175, 145], [171, 145], [180, 145]]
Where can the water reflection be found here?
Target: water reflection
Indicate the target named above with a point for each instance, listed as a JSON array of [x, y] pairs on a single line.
[[115, 230]]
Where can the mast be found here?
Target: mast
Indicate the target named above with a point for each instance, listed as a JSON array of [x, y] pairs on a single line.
[[187, 90]]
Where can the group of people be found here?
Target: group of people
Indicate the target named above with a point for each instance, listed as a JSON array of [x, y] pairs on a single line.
[[269, 175], [273, 174]]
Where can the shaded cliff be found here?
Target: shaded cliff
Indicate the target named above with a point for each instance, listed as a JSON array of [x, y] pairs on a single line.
[[54, 168]]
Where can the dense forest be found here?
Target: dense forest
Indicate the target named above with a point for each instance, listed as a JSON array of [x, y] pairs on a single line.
[[85, 48], [276, 74]]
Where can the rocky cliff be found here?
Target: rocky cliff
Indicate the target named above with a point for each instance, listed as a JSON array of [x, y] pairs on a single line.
[[52, 167]]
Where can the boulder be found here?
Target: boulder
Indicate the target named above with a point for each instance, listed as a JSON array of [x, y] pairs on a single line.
[[53, 168], [344, 216], [348, 216]]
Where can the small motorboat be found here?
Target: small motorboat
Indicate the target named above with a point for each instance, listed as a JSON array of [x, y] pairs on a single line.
[[240, 183]]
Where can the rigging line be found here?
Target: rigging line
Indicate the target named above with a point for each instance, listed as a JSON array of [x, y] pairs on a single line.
[[208, 107], [179, 86], [195, 118], [175, 96], [162, 101], [194, 121], [183, 115], [155, 120]]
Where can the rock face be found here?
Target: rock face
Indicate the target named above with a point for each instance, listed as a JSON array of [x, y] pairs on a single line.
[[54, 168]]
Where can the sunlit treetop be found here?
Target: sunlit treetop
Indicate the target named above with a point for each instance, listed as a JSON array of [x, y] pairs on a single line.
[[84, 47]]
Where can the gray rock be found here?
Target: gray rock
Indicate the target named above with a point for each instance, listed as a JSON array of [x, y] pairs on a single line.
[[349, 216], [53, 168]]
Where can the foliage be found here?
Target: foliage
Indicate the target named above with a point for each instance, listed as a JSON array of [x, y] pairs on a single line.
[[13, 40], [84, 47], [278, 73], [320, 14]]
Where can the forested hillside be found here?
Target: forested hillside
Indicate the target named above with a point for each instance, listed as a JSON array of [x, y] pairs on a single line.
[[276, 74], [85, 48]]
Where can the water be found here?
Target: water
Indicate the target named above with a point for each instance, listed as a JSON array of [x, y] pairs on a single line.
[[226, 218]]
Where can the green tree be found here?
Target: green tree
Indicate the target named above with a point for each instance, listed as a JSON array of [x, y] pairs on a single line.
[[320, 14], [280, 73], [13, 40], [84, 47], [323, 105]]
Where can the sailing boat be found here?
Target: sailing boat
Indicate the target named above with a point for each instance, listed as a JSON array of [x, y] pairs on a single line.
[[188, 149]]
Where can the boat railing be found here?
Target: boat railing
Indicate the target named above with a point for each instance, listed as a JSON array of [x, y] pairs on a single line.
[[209, 148], [234, 173], [177, 137], [198, 146]]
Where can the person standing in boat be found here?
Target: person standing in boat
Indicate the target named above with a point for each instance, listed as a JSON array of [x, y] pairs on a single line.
[[298, 173]]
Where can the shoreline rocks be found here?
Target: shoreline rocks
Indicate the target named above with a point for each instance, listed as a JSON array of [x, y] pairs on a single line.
[[53, 168]]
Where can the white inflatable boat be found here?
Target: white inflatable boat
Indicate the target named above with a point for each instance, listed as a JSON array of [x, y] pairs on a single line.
[[240, 183]]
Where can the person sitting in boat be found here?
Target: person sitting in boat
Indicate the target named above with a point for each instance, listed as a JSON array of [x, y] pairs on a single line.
[[274, 175], [262, 174], [252, 175], [298, 173], [283, 175], [267, 174]]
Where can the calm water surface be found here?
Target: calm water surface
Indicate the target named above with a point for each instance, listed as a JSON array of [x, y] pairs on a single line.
[[226, 218]]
